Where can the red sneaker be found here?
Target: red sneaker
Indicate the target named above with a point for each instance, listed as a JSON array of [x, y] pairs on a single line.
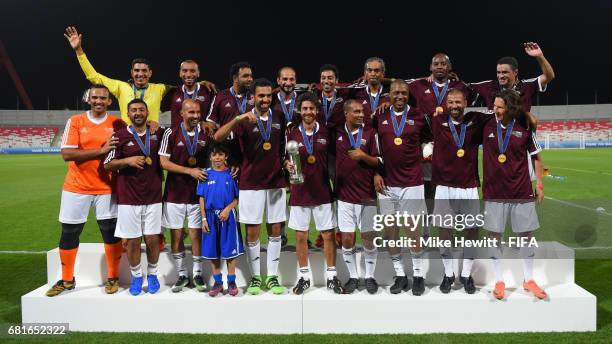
[[532, 287], [500, 290]]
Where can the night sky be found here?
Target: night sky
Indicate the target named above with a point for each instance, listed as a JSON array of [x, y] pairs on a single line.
[[575, 38]]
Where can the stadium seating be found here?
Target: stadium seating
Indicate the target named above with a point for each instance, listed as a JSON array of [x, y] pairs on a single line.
[[18, 137], [593, 130]]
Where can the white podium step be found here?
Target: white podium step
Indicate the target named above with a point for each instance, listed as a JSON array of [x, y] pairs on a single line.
[[549, 268], [569, 308]]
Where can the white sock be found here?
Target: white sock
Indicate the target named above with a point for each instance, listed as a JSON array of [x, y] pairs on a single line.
[[448, 266], [499, 275], [253, 254], [417, 264], [197, 265], [136, 270], [349, 259], [331, 272], [370, 262], [274, 249], [304, 272], [527, 253], [179, 263], [152, 269], [466, 271], [396, 259]]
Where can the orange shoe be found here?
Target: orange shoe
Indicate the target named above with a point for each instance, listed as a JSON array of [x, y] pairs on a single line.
[[500, 290], [319, 241], [532, 287]]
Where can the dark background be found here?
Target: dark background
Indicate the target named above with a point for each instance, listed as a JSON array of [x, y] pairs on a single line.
[[575, 38]]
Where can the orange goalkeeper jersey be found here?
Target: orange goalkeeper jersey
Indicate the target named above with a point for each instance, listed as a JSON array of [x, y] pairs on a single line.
[[83, 131]]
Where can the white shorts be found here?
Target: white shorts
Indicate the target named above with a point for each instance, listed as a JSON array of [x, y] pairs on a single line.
[[252, 203], [456, 201], [134, 221], [410, 200], [174, 215], [75, 207], [299, 217], [351, 216], [523, 216]]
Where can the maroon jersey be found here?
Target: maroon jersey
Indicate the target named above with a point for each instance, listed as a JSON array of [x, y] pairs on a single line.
[[174, 101], [181, 188], [225, 107], [423, 95], [316, 189], [526, 88], [363, 95], [355, 179], [136, 186], [261, 169], [449, 169], [510, 180], [336, 113], [402, 163], [277, 108]]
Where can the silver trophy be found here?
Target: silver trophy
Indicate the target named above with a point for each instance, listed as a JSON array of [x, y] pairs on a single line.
[[295, 175]]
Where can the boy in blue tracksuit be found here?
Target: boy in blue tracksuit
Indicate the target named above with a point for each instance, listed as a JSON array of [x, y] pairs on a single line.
[[221, 237]]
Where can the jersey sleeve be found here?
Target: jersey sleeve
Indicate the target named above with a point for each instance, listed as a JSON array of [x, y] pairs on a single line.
[[165, 148], [533, 147], [213, 113], [233, 188], [70, 138], [201, 188], [97, 78], [113, 154]]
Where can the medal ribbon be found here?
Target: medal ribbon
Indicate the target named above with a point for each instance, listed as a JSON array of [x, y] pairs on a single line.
[[398, 129], [459, 139], [241, 104], [191, 146], [194, 96], [143, 90], [354, 143], [146, 148], [374, 101], [307, 143], [503, 145], [288, 114], [440, 95], [328, 110], [265, 132]]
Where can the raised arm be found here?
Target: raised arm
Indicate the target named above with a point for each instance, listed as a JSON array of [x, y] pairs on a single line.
[[548, 74], [75, 40], [226, 130]]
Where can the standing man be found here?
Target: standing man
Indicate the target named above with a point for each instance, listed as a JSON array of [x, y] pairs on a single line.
[[260, 133], [507, 79], [183, 154], [189, 72], [356, 161], [401, 131], [507, 188], [88, 137], [139, 192], [284, 100], [372, 95], [457, 136], [312, 199]]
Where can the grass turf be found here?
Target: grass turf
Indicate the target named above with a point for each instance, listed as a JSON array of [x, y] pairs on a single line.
[[31, 187]]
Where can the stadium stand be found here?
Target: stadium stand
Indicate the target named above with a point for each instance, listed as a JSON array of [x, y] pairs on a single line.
[[20, 137], [575, 133]]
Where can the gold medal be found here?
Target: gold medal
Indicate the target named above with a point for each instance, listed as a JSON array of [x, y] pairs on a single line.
[[501, 158], [439, 109], [311, 159], [267, 146], [397, 141], [148, 160], [460, 152], [192, 161]]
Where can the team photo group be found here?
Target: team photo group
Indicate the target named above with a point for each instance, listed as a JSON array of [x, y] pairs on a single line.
[[283, 155]]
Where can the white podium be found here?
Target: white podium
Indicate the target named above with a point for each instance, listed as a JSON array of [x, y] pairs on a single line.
[[88, 308]]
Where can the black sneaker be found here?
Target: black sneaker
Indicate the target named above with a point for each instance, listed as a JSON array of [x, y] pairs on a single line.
[[400, 284], [198, 283], [283, 240], [468, 284], [334, 284], [447, 284], [351, 285], [418, 286], [371, 285], [181, 283], [301, 285]]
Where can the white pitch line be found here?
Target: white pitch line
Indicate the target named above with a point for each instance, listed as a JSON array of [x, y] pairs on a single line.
[[578, 206], [591, 248], [583, 171], [23, 252]]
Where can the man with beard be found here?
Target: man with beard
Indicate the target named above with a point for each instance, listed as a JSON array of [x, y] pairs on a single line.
[[139, 193], [189, 72], [261, 134], [401, 131], [457, 136], [183, 154]]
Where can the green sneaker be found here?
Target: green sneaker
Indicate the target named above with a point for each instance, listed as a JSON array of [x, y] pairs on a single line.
[[273, 285], [254, 287]]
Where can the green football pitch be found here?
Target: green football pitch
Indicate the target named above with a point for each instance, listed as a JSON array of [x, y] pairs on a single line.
[[577, 212]]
